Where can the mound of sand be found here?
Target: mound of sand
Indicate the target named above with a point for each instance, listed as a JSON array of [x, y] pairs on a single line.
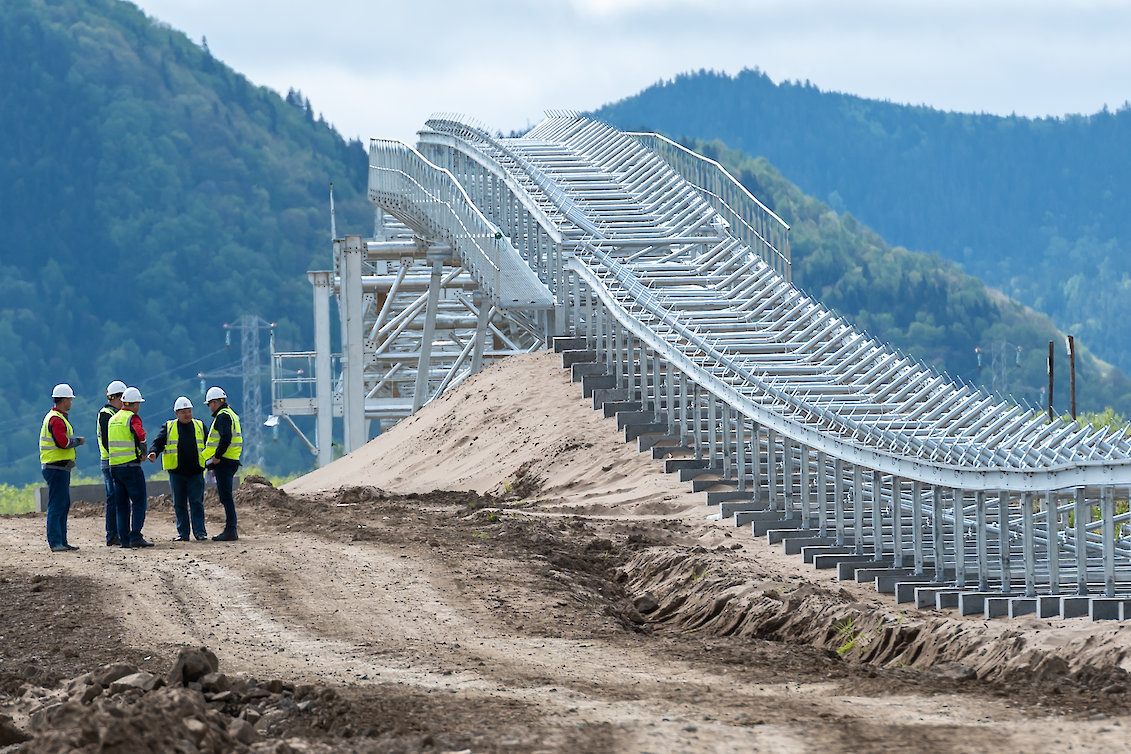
[[518, 428]]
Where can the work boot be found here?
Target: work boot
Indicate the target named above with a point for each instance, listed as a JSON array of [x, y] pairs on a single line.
[[141, 543], [228, 535], [113, 542], [60, 548]]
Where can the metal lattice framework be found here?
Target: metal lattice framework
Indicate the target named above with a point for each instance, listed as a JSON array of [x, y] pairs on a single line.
[[678, 281]]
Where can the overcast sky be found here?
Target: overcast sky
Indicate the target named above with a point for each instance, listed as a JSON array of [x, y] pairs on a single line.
[[378, 68]]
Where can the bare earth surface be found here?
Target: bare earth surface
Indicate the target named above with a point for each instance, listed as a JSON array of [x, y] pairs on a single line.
[[563, 595]]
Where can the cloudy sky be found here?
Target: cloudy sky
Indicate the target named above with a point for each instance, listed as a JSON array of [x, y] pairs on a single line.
[[379, 68]]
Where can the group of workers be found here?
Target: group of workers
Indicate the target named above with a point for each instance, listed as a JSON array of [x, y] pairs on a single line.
[[187, 453]]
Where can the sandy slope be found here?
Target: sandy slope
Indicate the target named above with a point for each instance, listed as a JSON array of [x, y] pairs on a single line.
[[519, 414]]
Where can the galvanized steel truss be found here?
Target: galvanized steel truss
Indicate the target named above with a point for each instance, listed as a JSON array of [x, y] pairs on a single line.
[[679, 280]]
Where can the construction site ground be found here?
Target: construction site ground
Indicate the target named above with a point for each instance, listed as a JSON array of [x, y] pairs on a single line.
[[501, 573]]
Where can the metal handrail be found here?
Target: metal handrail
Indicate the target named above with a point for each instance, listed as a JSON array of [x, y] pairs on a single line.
[[771, 243], [427, 197]]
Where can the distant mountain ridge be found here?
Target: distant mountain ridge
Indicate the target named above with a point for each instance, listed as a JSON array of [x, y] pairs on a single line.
[[1039, 208]]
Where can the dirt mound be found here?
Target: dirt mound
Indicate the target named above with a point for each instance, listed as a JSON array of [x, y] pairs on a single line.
[[517, 430]]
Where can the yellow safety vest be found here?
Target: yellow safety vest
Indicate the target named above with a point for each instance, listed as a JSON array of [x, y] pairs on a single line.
[[103, 451], [49, 452], [233, 451], [172, 435], [120, 440]]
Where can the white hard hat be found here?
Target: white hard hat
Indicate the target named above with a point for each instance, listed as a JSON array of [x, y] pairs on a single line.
[[117, 387], [62, 390], [214, 394], [182, 402], [132, 395]]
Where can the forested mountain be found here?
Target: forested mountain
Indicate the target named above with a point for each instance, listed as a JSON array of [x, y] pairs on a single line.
[[148, 195], [1038, 208], [921, 303]]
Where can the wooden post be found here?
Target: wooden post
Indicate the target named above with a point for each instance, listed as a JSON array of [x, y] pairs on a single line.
[[1050, 380], [1072, 375]]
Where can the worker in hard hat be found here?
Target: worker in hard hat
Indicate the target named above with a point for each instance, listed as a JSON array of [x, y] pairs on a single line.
[[57, 443], [113, 404], [125, 439], [222, 456], [181, 446]]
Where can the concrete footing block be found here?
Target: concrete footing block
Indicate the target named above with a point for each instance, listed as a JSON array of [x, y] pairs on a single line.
[[887, 583], [946, 599], [794, 545], [833, 560], [686, 474], [1074, 607], [627, 418], [1018, 606], [592, 382], [971, 603], [869, 574], [925, 595], [1048, 606], [728, 509], [719, 497], [634, 431], [648, 441], [905, 590], [581, 356], [847, 571], [609, 409], [672, 465], [1106, 608], [776, 536], [759, 528], [808, 554], [569, 343], [577, 371], [706, 483]]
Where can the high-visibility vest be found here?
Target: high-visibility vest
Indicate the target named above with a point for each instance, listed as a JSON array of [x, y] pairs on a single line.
[[172, 436], [103, 451], [120, 439], [234, 448], [49, 452]]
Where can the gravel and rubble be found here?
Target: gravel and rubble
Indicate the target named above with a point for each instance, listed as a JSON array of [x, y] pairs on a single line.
[[193, 708]]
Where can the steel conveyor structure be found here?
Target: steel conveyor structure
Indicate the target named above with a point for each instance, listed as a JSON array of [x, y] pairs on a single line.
[[667, 286]]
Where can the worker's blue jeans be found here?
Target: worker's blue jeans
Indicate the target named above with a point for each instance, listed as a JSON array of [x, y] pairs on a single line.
[[131, 502], [58, 503], [188, 503], [111, 505]]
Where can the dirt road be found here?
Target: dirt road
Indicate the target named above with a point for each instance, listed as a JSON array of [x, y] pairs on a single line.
[[447, 623]]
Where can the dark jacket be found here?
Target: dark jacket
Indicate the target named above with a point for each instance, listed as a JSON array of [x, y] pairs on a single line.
[[188, 456]]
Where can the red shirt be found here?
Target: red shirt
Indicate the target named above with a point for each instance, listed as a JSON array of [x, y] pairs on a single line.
[[135, 425], [58, 431]]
